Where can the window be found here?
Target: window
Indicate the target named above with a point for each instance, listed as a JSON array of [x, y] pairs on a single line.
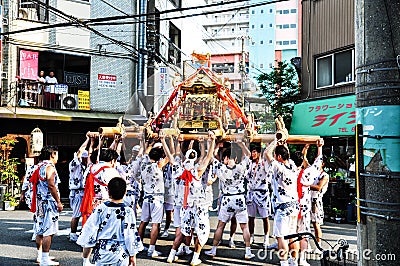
[[335, 69], [286, 26], [286, 11], [270, 25], [279, 26], [261, 65], [262, 11], [252, 26], [292, 26], [270, 41], [285, 43], [270, 11], [293, 10], [253, 43], [278, 11], [30, 10], [253, 12], [261, 26], [261, 42], [278, 42], [293, 42]]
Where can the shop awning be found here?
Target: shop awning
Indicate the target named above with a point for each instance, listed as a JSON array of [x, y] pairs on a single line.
[[32, 113], [328, 117]]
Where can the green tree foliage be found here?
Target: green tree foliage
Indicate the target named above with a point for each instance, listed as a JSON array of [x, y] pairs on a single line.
[[281, 89]]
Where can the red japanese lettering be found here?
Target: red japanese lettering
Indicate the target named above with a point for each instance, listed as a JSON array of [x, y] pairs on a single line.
[[340, 105], [325, 107], [352, 115], [336, 117], [320, 119]]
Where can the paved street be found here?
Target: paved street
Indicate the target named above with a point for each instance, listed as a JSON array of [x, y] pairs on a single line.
[[17, 249]]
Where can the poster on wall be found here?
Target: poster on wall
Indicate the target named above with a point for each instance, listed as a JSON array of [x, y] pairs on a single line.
[[83, 100], [105, 81], [28, 64]]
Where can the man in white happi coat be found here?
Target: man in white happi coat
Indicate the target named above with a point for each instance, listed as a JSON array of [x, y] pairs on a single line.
[[153, 187], [233, 201], [46, 203], [77, 168], [97, 177], [306, 176], [258, 199], [194, 211], [283, 175]]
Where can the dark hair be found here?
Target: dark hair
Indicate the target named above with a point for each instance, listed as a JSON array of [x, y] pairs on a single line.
[[93, 155], [297, 158], [255, 146], [156, 154], [117, 188], [108, 155], [282, 151], [47, 151], [192, 155], [230, 153]]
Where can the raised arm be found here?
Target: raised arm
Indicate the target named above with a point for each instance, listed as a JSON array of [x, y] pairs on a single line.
[[161, 135], [304, 152], [203, 165], [269, 151], [245, 150], [82, 148]]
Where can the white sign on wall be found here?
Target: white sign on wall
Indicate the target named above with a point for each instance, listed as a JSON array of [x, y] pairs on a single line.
[[105, 81]]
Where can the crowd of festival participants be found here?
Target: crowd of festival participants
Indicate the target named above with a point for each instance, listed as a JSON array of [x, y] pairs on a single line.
[[174, 177]]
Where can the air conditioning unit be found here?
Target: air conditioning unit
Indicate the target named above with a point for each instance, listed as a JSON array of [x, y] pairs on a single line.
[[27, 13], [69, 101], [5, 21], [4, 75]]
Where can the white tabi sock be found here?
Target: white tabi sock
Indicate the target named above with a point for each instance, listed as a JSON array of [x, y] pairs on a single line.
[[151, 248], [45, 257], [195, 256], [248, 250]]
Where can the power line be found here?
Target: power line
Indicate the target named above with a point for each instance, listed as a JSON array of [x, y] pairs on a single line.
[[101, 21]]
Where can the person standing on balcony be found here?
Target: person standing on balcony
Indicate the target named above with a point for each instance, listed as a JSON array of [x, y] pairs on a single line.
[[41, 81], [50, 96]]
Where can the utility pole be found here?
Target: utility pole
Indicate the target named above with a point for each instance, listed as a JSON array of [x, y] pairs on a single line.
[[243, 71], [378, 131]]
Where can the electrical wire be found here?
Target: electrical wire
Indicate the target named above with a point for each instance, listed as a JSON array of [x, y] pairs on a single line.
[[99, 21]]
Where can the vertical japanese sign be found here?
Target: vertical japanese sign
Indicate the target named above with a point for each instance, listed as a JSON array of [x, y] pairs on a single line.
[[163, 81], [330, 117], [83, 100], [28, 64], [105, 81]]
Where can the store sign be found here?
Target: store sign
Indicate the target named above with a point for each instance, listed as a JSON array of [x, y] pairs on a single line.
[[105, 81], [77, 79], [330, 117], [163, 81], [28, 64], [83, 100]]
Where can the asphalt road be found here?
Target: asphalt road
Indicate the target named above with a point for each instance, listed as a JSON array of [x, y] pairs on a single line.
[[16, 248]]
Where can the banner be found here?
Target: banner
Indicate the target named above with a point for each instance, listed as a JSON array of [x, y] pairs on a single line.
[[328, 117], [28, 64]]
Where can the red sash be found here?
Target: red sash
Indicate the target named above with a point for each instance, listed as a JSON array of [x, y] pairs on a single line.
[[300, 189], [35, 180], [188, 178], [88, 194]]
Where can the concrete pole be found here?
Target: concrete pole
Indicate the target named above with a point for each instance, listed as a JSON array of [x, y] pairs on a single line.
[[378, 96]]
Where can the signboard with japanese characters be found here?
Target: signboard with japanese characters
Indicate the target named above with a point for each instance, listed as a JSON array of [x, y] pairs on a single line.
[[163, 81], [105, 81], [28, 64], [330, 117], [83, 100], [60, 88]]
